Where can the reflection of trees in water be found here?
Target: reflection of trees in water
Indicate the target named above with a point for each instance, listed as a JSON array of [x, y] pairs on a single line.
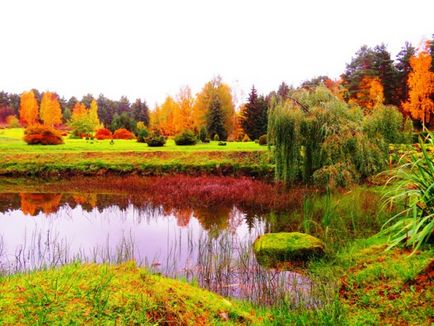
[[87, 201], [213, 218], [183, 216], [9, 202], [33, 204]]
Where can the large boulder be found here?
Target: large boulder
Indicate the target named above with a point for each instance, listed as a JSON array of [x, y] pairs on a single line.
[[272, 249]]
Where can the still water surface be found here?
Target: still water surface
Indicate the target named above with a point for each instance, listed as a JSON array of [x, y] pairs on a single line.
[[210, 246]]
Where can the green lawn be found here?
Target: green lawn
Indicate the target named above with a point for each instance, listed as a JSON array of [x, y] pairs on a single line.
[[78, 156], [11, 141]]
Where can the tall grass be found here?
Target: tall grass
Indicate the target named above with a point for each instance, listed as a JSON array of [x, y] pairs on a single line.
[[413, 184]]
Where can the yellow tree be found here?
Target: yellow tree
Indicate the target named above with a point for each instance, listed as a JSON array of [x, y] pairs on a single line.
[[370, 93], [93, 114], [214, 89], [183, 115], [421, 87], [155, 118], [50, 112], [78, 111], [166, 116], [28, 108]]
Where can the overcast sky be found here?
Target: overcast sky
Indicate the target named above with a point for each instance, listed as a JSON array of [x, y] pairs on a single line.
[[149, 49]]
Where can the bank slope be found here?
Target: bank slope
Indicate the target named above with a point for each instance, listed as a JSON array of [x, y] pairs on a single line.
[[104, 294]]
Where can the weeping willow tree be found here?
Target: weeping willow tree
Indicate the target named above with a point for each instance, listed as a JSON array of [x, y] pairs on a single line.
[[284, 123], [317, 138]]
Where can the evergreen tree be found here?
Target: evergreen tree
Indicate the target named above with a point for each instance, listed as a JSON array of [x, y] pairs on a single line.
[[283, 91], [87, 99], [254, 118], [140, 112], [123, 120], [403, 70], [359, 67], [215, 120], [370, 64], [386, 71]]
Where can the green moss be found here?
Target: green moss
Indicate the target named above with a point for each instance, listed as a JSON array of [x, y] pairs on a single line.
[[273, 248], [104, 294]]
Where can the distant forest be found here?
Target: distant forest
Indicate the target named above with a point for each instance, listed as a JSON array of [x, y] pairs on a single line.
[[371, 78]]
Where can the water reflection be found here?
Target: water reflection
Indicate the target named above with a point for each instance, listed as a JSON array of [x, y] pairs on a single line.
[[209, 245], [180, 236]]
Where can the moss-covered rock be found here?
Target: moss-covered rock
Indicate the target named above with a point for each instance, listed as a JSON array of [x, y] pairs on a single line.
[[274, 248]]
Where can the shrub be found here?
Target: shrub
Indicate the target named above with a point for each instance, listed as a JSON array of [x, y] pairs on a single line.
[[141, 135], [155, 139], [246, 138], [336, 175], [123, 134], [203, 135], [103, 133], [44, 135], [216, 137], [187, 137], [263, 140]]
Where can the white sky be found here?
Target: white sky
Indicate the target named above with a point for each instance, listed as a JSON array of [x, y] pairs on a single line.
[[149, 49]]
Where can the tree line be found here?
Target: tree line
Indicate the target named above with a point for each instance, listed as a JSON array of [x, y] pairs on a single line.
[[371, 78]]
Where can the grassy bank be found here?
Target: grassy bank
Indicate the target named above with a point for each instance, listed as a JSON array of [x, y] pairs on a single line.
[[78, 156], [376, 286], [372, 287], [122, 294]]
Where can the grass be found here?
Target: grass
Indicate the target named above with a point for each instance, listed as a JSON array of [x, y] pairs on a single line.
[[366, 286], [78, 156], [11, 142], [123, 294], [379, 287]]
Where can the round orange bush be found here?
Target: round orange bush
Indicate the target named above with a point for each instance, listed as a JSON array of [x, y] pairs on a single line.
[[44, 135], [103, 133], [123, 134]]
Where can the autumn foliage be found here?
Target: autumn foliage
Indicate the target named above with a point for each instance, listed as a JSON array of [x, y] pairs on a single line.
[[28, 108], [370, 93], [50, 112], [44, 135], [123, 134], [421, 86], [103, 133], [32, 204]]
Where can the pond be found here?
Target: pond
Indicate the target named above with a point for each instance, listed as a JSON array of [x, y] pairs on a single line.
[[197, 229]]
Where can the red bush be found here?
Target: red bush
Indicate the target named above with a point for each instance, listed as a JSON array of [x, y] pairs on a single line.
[[39, 134], [103, 133], [123, 134]]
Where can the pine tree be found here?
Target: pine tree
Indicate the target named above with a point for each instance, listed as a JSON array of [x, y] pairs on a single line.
[[215, 120], [387, 73], [140, 112], [254, 117], [403, 70]]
